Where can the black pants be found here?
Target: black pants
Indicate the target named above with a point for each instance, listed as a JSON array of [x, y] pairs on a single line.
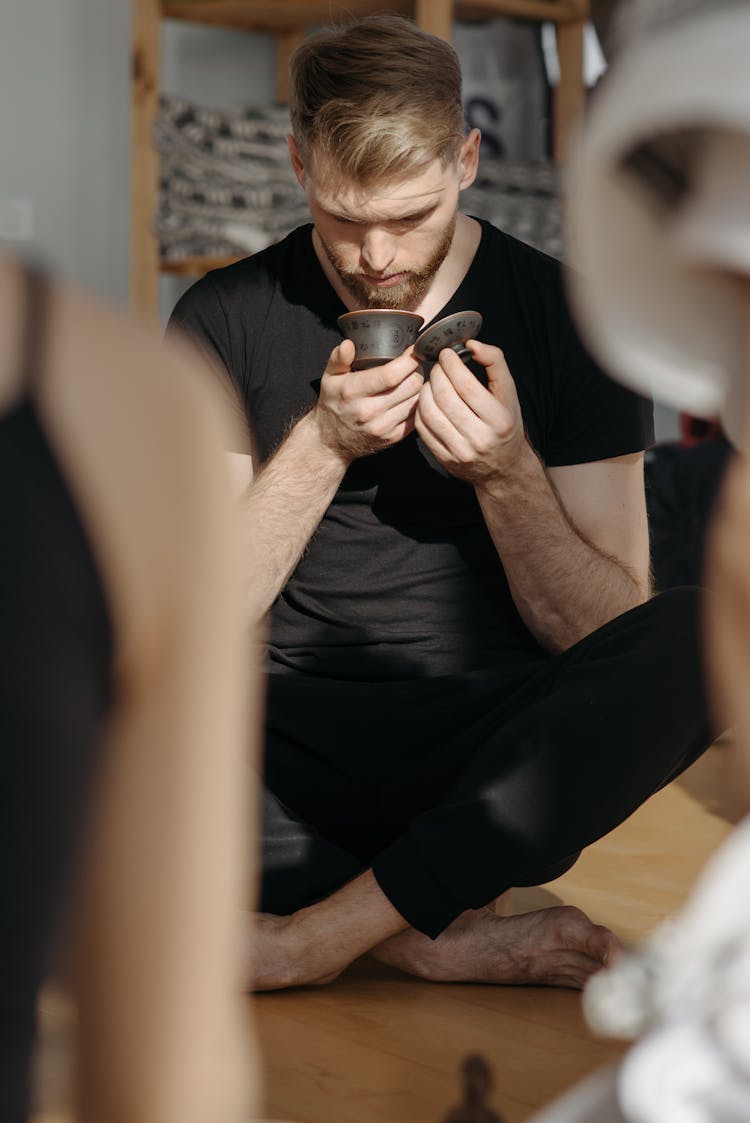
[[454, 790]]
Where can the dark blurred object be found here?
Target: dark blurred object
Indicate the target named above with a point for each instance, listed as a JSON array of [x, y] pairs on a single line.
[[602, 12], [477, 1085], [682, 481]]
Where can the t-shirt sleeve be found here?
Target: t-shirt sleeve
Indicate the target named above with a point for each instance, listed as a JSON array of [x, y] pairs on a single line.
[[200, 316], [596, 418]]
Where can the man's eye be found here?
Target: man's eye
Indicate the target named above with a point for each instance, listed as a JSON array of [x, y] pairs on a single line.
[[411, 220]]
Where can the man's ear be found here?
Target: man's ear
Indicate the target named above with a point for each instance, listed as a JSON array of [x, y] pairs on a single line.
[[468, 159], [296, 158]]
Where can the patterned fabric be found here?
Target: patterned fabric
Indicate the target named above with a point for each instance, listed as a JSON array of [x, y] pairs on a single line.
[[227, 186], [522, 199], [685, 994]]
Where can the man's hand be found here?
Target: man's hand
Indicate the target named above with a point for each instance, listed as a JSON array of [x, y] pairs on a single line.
[[476, 433], [364, 411]]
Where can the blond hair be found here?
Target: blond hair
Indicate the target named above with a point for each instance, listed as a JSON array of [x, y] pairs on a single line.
[[376, 100]]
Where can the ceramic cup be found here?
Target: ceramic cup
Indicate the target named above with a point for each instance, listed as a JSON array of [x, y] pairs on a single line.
[[451, 331], [379, 334]]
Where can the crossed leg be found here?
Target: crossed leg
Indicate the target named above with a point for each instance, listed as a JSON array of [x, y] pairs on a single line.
[[622, 714], [552, 947]]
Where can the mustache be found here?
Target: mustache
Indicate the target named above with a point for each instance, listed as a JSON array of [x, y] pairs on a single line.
[[405, 273]]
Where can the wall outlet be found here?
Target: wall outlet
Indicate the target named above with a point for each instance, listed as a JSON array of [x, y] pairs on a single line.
[[16, 220]]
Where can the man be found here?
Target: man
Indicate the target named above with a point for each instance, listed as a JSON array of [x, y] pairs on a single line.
[[466, 685]]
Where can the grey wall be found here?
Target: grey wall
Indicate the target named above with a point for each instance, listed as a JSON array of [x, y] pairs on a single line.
[[217, 67], [64, 124], [64, 135]]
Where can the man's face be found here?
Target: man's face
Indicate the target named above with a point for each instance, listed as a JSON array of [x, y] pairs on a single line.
[[386, 244]]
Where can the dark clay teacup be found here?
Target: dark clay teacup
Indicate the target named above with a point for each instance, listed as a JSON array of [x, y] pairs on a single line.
[[379, 334], [452, 331]]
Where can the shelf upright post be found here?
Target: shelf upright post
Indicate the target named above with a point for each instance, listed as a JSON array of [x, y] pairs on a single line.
[[144, 164], [286, 43], [570, 93], [435, 16]]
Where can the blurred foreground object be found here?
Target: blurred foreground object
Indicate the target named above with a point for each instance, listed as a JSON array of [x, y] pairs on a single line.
[[477, 1085], [683, 479], [660, 214], [686, 994], [658, 201], [123, 713]]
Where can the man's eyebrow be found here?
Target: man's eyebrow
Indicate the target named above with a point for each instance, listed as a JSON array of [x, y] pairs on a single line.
[[421, 212]]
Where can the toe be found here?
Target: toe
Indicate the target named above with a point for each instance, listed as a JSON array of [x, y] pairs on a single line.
[[609, 948]]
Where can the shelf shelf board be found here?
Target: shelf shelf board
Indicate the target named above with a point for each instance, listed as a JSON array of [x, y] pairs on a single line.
[[198, 265], [283, 15], [554, 11]]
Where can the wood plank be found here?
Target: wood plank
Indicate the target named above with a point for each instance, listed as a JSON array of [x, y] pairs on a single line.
[[435, 16], [260, 15], [281, 15], [286, 44], [554, 11], [570, 93], [144, 167], [199, 264]]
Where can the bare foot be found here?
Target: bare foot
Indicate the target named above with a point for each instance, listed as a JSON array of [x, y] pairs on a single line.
[[552, 947], [503, 905]]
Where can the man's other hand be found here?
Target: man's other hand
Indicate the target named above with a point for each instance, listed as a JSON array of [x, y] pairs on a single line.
[[477, 434]]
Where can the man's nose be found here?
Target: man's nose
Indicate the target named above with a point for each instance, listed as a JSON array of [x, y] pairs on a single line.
[[378, 250]]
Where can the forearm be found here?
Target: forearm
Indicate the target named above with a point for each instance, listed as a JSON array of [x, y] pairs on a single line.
[[563, 587], [282, 509]]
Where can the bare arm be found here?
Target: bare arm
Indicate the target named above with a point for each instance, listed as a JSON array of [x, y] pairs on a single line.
[[573, 541], [158, 954], [564, 582], [357, 413]]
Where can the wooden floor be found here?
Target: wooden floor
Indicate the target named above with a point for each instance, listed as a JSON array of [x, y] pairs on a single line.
[[377, 1047]]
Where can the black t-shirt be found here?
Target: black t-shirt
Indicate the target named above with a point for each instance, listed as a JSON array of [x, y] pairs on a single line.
[[401, 580]]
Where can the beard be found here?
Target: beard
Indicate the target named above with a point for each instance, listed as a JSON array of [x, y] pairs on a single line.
[[408, 292]]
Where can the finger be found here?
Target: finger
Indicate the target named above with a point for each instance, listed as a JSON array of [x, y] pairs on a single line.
[[493, 361], [381, 379], [341, 358], [432, 441], [406, 391], [453, 391], [397, 422], [369, 409], [434, 426], [475, 413]]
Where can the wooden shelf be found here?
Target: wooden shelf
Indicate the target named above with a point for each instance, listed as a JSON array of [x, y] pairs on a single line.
[[280, 15], [289, 20], [259, 15], [197, 265]]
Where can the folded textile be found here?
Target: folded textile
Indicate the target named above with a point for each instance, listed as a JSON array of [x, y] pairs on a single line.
[[227, 186]]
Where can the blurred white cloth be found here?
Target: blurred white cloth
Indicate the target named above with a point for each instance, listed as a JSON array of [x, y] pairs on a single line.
[[659, 210], [686, 993]]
